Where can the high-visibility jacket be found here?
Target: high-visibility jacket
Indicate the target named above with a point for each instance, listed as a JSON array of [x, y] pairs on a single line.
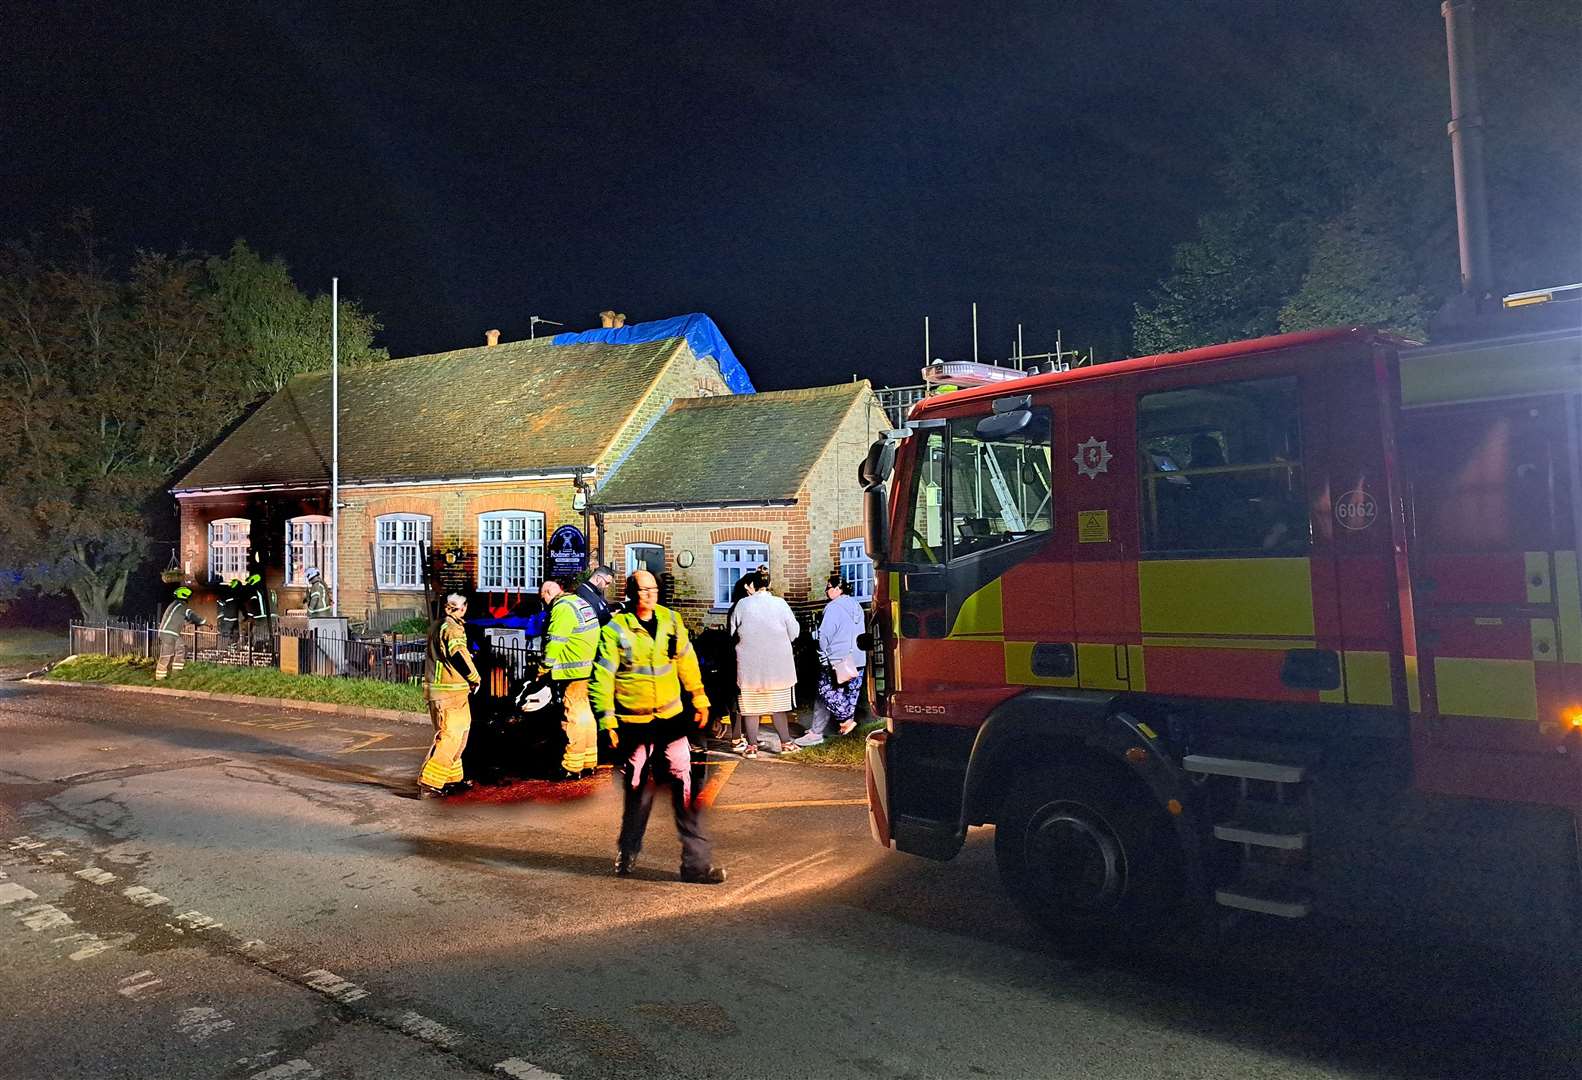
[[318, 598], [176, 617], [638, 678], [572, 638]]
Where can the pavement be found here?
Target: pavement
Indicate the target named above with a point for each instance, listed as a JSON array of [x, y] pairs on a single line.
[[203, 889]]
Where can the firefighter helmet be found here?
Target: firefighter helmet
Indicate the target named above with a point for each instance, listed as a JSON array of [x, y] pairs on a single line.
[[536, 694], [183, 593]]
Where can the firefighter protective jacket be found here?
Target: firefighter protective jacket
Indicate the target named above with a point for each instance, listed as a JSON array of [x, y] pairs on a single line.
[[450, 667], [572, 638], [638, 678], [177, 615]]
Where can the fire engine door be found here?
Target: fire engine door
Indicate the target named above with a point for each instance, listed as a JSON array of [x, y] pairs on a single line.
[[979, 504], [1494, 578]]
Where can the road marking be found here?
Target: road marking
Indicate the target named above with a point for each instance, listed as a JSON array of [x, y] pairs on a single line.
[[806, 863], [295, 1069], [261, 953], [93, 944], [27, 843], [793, 803], [11, 892], [201, 1024], [95, 875], [332, 985], [716, 781], [133, 985], [421, 1027], [143, 897], [43, 917], [524, 1070], [369, 738], [196, 921]]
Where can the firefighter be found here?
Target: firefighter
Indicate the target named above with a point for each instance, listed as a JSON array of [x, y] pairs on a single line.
[[255, 609], [229, 604], [318, 598], [171, 624], [569, 646], [450, 679], [592, 592], [645, 660]]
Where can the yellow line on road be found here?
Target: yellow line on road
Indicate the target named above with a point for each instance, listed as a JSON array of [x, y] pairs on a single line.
[[793, 803]]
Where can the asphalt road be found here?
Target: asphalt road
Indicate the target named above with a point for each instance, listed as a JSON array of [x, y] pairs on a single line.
[[204, 890]]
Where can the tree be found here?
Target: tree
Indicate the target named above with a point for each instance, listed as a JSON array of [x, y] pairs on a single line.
[[1336, 202], [118, 380], [281, 331]]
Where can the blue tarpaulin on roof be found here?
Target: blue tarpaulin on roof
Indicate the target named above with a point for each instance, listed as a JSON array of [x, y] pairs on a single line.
[[699, 330]]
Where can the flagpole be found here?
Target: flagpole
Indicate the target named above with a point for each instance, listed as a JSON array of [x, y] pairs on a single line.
[[335, 446]]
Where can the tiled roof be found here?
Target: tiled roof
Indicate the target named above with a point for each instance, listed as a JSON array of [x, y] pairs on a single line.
[[513, 408], [740, 448]]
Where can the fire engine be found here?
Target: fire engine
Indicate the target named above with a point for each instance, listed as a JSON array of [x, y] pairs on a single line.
[[1291, 626]]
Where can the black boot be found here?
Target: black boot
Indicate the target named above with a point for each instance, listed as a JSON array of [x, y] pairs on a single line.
[[625, 863], [707, 875]]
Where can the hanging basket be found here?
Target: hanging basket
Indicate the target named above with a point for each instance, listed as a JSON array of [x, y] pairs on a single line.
[[170, 577]]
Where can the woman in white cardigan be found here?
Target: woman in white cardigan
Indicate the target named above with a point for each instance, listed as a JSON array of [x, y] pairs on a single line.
[[764, 629]]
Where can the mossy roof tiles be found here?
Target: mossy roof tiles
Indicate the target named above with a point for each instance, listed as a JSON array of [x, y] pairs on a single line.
[[716, 450], [518, 407]]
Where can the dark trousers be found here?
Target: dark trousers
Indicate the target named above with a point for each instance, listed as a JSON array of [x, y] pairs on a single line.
[[659, 751]]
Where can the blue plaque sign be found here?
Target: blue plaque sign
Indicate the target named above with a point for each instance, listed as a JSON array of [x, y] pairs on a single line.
[[568, 552]]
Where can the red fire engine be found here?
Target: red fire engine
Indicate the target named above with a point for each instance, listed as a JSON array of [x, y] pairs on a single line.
[[1292, 625]]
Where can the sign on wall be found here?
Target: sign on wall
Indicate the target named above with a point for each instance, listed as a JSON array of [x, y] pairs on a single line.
[[568, 552]]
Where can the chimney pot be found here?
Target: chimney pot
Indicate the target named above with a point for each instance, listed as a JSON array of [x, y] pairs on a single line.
[[618, 320], [606, 319], [491, 337]]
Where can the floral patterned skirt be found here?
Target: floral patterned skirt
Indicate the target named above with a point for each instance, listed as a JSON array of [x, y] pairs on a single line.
[[839, 698]]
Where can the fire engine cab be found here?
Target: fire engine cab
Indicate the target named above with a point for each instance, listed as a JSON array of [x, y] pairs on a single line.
[[1292, 625]]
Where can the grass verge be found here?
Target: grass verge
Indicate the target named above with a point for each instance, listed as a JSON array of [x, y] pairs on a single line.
[[840, 750], [23, 646], [253, 682]]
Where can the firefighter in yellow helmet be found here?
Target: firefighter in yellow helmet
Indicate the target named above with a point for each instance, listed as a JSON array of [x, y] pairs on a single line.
[[645, 660], [449, 678], [172, 622], [570, 643], [317, 600]]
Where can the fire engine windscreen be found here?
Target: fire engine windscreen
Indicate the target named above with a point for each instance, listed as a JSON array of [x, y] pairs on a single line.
[[1222, 470], [972, 493]]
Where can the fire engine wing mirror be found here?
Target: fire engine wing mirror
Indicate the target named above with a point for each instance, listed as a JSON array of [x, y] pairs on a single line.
[[1002, 426], [878, 464], [875, 518]]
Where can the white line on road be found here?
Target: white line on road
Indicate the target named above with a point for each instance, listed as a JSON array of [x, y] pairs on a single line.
[[421, 1027], [146, 897], [133, 985], [803, 863], [93, 944], [201, 1024], [11, 892], [332, 985], [96, 876], [43, 917], [524, 1070], [196, 920]]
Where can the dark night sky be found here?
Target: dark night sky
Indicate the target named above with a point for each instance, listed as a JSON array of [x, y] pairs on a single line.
[[817, 177]]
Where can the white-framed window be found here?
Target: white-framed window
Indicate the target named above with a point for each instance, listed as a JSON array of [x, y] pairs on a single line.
[[229, 545], [857, 569], [650, 557], [510, 550], [309, 542], [398, 550], [732, 559]]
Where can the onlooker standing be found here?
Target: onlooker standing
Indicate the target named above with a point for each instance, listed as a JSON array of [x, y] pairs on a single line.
[[837, 647], [764, 628], [450, 678], [592, 591], [744, 587]]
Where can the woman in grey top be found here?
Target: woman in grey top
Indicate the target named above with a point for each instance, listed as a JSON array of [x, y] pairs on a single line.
[[837, 639], [764, 629]]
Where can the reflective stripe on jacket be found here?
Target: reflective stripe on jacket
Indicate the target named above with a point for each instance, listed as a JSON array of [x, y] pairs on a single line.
[[450, 665], [635, 679], [572, 638], [173, 621]]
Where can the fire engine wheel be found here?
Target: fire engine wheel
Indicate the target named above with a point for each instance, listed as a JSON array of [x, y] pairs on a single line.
[[1087, 858]]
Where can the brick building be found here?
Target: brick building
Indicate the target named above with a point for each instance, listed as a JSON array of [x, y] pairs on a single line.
[[479, 452], [722, 484]]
